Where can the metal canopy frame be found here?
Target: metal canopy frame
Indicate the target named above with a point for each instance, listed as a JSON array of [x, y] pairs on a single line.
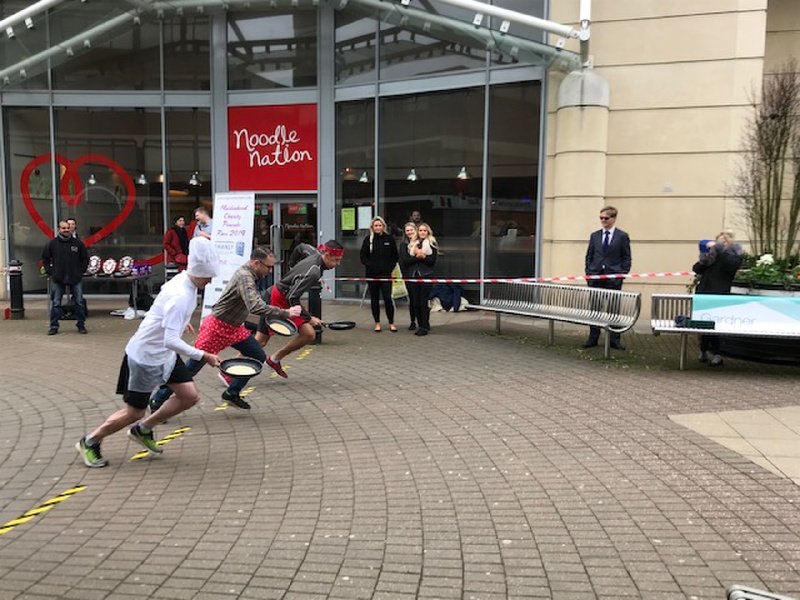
[[482, 34]]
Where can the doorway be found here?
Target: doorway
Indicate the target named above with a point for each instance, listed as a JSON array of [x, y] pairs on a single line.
[[283, 223]]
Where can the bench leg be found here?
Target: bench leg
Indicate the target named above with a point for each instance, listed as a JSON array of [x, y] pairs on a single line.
[[607, 344], [551, 338], [497, 322], [684, 348]]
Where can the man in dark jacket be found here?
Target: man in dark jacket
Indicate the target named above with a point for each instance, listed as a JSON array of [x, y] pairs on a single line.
[[609, 253], [65, 259], [717, 266]]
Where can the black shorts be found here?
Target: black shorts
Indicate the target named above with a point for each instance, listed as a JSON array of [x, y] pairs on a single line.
[[180, 374]]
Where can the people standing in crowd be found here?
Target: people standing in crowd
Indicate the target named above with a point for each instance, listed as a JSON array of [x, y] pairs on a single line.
[[609, 253], [717, 265], [152, 358], [65, 260], [419, 257], [379, 256], [409, 233], [176, 243], [225, 325], [287, 292], [203, 223]]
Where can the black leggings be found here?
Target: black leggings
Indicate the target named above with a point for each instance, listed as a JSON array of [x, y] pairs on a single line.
[[377, 289], [418, 294]]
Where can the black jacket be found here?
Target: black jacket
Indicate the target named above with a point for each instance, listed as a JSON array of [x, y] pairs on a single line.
[[717, 270], [413, 267], [65, 259], [617, 259], [381, 258]]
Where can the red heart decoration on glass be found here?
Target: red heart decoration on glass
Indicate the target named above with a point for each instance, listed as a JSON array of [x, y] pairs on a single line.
[[71, 178]]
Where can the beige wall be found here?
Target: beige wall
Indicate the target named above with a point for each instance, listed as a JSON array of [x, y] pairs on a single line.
[[681, 75]]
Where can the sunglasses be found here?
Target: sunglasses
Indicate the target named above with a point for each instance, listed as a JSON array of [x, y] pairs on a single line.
[[607, 218]]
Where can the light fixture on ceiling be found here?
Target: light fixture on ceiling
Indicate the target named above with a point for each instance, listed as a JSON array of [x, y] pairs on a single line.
[[412, 175], [364, 178], [194, 180], [160, 178], [463, 174], [92, 179], [141, 180], [348, 174]]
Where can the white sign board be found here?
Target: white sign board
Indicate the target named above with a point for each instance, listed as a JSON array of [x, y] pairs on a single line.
[[232, 234]]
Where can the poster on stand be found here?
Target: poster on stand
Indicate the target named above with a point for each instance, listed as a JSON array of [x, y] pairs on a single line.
[[232, 234]]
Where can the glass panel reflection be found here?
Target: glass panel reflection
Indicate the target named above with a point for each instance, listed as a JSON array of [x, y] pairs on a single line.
[[513, 176], [355, 152], [356, 34], [24, 44], [103, 151], [186, 54], [275, 49], [30, 185], [426, 134]]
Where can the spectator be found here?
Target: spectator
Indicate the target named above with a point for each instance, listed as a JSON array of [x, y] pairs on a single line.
[[203, 223], [65, 260], [379, 256], [73, 227], [415, 218], [262, 237], [717, 265], [409, 233], [419, 257], [609, 253], [176, 243]]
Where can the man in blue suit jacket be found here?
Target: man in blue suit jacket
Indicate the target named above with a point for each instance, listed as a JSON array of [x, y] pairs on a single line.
[[609, 253]]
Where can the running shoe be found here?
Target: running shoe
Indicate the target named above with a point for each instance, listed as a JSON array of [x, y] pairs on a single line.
[[276, 366], [90, 454], [235, 400], [225, 379], [145, 439]]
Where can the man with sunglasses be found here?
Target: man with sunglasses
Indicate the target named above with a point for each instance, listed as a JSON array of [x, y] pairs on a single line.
[[225, 325], [609, 253]]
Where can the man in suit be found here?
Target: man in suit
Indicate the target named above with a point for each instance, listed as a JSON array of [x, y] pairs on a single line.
[[609, 252]]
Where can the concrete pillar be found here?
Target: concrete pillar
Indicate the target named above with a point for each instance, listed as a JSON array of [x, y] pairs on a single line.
[[580, 146]]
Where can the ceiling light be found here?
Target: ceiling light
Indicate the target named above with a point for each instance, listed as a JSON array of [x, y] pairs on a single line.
[[92, 180], [29, 23], [10, 33], [412, 175], [141, 180], [463, 174], [348, 174], [194, 180], [364, 178]]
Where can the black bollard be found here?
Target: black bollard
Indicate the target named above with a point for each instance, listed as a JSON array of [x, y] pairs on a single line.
[[15, 285], [315, 308]]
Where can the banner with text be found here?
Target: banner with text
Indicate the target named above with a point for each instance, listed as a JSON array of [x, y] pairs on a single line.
[[749, 313], [272, 148], [232, 234]]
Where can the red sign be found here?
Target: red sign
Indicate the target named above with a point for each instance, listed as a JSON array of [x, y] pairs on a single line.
[[272, 148]]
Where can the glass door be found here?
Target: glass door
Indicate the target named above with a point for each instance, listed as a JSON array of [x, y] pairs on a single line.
[[283, 224]]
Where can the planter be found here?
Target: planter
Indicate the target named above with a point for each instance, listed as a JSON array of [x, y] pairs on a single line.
[[762, 349]]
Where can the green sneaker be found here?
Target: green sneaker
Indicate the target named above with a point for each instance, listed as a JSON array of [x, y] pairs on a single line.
[[145, 439], [90, 454]]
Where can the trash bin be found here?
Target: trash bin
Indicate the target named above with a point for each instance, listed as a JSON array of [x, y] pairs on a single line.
[[15, 288]]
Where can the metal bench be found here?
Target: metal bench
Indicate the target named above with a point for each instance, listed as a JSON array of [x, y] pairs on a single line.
[[612, 310], [741, 592], [665, 307]]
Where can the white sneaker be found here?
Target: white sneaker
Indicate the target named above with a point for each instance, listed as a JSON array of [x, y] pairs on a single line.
[[716, 361], [703, 357]]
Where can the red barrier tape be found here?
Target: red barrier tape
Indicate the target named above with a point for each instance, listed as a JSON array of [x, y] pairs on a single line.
[[523, 279]]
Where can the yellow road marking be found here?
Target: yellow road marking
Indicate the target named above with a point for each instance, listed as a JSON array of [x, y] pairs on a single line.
[[42, 508], [305, 353], [165, 440]]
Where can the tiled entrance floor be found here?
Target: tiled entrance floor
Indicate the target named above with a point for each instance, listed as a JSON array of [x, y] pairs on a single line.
[[768, 437]]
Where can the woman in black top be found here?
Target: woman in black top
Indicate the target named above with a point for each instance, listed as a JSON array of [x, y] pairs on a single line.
[[379, 256], [418, 258], [409, 233]]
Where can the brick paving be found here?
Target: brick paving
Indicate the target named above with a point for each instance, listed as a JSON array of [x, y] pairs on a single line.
[[460, 465]]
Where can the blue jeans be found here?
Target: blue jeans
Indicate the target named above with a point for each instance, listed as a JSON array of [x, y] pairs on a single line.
[[248, 347], [57, 291]]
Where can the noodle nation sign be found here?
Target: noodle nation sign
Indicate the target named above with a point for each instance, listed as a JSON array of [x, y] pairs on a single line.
[[272, 147]]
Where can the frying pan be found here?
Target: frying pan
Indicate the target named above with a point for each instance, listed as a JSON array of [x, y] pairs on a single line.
[[230, 367], [339, 325], [282, 326]]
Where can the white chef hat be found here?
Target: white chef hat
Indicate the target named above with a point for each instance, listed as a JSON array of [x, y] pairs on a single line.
[[203, 260]]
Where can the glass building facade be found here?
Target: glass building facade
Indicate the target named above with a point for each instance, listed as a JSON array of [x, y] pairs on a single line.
[[120, 122]]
